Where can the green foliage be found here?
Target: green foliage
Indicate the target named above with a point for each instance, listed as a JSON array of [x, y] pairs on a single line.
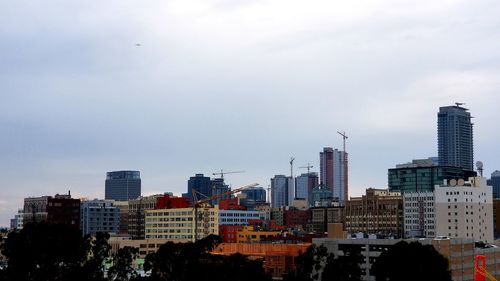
[[411, 262], [343, 268], [122, 269], [46, 252]]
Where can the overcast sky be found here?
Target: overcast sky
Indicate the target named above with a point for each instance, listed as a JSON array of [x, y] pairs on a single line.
[[234, 84]]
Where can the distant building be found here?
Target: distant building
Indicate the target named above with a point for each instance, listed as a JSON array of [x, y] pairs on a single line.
[[378, 212], [455, 137], [334, 172], [458, 209], [17, 221], [168, 201], [249, 234], [99, 216], [494, 182], [122, 185], [253, 197], [298, 219], [136, 214], [279, 191], [304, 185], [178, 224], [58, 209], [64, 210], [219, 188], [123, 211], [423, 176], [322, 197], [239, 217], [322, 216], [201, 184], [496, 217]]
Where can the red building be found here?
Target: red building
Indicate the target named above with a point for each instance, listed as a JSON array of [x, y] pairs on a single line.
[[63, 209], [229, 233], [298, 218], [170, 202], [230, 204]]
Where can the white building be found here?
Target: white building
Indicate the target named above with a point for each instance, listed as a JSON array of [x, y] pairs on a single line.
[[99, 216], [456, 209], [239, 217], [419, 215]]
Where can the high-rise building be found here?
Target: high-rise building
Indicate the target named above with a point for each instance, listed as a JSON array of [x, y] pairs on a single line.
[[218, 188], [494, 182], [201, 184], [123, 185], [252, 197], [304, 185], [279, 191], [99, 216], [334, 172], [455, 145]]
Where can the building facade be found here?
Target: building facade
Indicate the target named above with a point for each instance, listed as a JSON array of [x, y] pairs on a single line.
[[253, 197], [419, 214], [137, 213], [99, 216], [378, 212], [322, 216], [423, 177], [279, 191], [201, 184], [304, 185], [122, 185], [179, 224], [239, 217], [455, 137], [334, 172], [494, 182]]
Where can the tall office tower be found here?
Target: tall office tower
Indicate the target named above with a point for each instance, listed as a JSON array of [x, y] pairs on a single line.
[[218, 188], [334, 172], [326, 167], [123, 185], [201, 184], [494, 182], [279, 191], [252, 197], [304, 185], [455, 147]]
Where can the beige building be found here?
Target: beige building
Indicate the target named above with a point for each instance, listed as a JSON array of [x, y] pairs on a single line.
[[377, 212], [464, 209], [145, 246], [178, 224], [136, 214]]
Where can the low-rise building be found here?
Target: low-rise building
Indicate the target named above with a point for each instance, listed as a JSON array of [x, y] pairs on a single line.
[[249, 234], [322, 216], [58, 209], [99, 216], [136, 214], [178, 224], [279, 259], [378, 212]]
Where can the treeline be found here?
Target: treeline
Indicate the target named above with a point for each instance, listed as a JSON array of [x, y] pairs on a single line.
[[52, 252]]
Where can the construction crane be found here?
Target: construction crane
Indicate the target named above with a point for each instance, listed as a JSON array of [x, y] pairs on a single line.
[[205, 202], [222, 173], [481, 274], [291, 166], [308, 167]]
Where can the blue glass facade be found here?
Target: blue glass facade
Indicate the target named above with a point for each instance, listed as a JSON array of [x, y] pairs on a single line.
[[494, 182], [455, 145], [253, 197], [202, 184]]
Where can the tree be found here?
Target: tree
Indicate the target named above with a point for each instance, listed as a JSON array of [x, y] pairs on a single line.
[[50, 252], [411, 262], [308, 265], [194, 261], [343, 268], [122, 269]]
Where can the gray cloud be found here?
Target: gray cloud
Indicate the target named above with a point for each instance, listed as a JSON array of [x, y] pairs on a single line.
[[217, 85]]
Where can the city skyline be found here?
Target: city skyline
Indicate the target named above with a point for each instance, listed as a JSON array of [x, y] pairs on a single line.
[[186, 87]]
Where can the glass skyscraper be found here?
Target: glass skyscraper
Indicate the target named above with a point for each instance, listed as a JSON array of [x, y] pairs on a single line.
[[455, 146], [122, 185]]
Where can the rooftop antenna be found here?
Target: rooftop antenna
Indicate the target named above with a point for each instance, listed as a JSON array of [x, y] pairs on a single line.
[[479, 166]]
